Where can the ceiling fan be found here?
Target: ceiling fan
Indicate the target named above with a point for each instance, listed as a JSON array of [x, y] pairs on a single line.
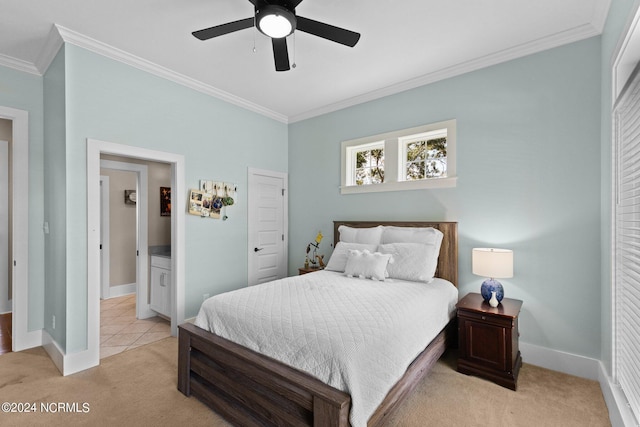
[[277, 19]]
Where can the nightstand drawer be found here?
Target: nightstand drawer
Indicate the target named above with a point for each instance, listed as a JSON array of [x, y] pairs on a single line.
[[491, 319]]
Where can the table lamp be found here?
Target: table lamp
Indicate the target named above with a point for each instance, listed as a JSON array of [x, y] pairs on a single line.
[[494, 264]]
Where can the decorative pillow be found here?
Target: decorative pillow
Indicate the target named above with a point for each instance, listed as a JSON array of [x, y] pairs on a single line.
[[338, 260], [370, 235], [412, 261], [367, 265]]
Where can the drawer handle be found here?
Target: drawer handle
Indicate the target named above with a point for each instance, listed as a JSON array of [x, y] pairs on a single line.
[[484, 318]]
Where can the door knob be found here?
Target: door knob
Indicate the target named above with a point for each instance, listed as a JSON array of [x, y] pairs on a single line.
[[257, 249]]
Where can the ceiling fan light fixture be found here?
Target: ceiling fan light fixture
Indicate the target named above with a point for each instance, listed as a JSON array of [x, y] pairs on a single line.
[[275, 21]]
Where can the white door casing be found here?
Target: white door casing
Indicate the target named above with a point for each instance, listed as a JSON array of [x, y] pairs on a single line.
[[104, 237], [267, 226]]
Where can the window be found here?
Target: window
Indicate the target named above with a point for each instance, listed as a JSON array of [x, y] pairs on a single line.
[[425, 155], [368, 167], [410, 159]]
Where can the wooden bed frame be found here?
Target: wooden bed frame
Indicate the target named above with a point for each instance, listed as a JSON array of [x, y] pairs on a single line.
[[250, 389]]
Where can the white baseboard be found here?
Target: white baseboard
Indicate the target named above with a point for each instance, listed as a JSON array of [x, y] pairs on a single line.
[[619, 413], [121, 290], [572, 364], [68, 364]]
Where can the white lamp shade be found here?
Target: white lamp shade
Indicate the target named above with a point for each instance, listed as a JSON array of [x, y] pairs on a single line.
[[494, 263]]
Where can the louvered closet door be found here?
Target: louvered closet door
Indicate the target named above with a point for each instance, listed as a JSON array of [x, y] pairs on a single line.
[[627, 245]]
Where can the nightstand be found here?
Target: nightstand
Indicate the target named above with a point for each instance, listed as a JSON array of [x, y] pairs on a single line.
[[303, 270], [488, 339]]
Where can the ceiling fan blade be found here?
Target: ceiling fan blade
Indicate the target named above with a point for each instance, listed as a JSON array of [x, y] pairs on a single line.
[[259, 3], [220, 30], [280, 54], [294, 3], [326, 31]]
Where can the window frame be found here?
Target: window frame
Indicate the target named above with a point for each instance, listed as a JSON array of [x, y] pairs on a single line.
[[395, 159], [352, 152]]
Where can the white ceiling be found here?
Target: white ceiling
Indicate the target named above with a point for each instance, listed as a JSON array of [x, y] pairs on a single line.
[[403, 44]]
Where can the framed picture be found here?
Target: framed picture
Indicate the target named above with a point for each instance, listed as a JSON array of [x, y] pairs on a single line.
[[165, 201]]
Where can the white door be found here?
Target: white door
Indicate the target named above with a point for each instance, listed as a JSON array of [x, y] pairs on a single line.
[[267, 226]]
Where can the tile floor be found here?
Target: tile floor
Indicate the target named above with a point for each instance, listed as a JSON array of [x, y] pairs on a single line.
[[120, 330]]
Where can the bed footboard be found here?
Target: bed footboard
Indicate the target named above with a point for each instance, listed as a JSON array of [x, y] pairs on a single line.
[[247, 388]]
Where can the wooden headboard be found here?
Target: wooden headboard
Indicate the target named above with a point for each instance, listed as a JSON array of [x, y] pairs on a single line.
[[448, 259]]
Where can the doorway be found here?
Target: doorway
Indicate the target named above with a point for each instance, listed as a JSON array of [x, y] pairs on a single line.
[[131, 191], [96, 148], [124, 251]]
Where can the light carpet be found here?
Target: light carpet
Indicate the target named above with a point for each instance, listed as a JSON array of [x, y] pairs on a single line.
[[138, 388]]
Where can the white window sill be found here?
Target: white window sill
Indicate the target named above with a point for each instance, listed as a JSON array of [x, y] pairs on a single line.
[[400, 186]]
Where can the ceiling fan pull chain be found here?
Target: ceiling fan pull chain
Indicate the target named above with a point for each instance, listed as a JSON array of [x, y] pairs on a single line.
[[294, 51], [254, 41]]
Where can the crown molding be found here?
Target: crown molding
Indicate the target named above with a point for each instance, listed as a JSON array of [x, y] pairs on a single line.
[[576, 34], [49, 51], [95, 46], [18, 64], [600, 15], [60, 35]]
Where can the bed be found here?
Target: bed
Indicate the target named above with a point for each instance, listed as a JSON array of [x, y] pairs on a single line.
[[248, 388]]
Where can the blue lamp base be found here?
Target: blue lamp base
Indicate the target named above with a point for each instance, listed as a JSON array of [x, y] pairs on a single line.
[[491, 285]]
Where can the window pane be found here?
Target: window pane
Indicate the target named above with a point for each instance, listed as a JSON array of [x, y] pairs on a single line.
[[369, 166], [426, 159], [416, 151]]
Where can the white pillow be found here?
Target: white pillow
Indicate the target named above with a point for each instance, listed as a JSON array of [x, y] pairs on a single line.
[[425, 235], [338, 260], [367, 265], [370, 235], [412, 261]]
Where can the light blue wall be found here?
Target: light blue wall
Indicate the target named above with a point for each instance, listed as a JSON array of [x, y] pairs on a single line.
[[534, 168], [23, 91], [528, 150], [55, 200], [619, 14], [110, 101]]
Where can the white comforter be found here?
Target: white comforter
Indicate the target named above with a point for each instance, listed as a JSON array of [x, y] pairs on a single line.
[[356, 335]]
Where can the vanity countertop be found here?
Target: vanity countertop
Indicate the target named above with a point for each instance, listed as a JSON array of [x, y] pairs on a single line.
[[163, 251]]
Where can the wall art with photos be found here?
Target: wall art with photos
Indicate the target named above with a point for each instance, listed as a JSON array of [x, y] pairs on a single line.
[[212, 198]]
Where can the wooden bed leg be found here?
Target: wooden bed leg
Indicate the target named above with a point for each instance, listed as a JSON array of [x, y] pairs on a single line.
[[328, 414], [184, 362]]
